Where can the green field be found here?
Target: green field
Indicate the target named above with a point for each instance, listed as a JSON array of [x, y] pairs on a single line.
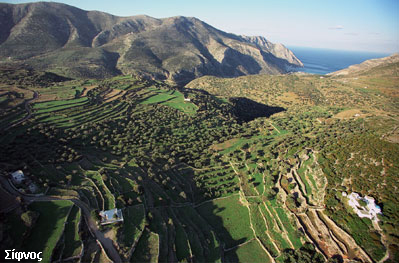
[[109, 199], [45, 107], [134, 222], [3, 98], [229, 218], [306, 178], [264, 232], [182, 243], [291, 231], [63, 92], [250, 252], [147, 249], [203, 242], [171, 98], [49, 226], [73, 244]]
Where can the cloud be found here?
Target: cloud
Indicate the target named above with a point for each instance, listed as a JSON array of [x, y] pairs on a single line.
[[352, 34], [338, 27]]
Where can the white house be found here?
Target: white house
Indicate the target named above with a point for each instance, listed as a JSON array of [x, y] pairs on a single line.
[[18, 177], [111, 216], [370, 210], [187, 99]]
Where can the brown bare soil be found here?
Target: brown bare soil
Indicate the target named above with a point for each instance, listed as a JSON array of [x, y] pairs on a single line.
[[354, 251], [224, 145], [113, 95], [289, 98], [393, 138], [390, 92], [110, 233], [47, 97], [87, 89], [346, 114], [28, 94]]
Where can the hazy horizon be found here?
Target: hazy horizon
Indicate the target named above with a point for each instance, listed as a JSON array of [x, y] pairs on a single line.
[[358, 25], [343, 50]]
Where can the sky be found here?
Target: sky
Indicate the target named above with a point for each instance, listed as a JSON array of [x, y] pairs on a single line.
[[359, 25]]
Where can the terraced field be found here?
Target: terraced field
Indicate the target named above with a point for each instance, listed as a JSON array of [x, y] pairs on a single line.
[[194, 181]]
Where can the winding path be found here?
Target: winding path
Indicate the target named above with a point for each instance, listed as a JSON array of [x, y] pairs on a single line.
[[28, 110]]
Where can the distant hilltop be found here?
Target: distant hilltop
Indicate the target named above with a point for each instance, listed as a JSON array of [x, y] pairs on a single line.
[[77, 43], [367, 66]]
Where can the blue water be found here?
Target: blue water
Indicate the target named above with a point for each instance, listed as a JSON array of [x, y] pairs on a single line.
[[323, 61]]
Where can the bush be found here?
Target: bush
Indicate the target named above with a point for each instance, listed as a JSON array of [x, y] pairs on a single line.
[[29, 218]]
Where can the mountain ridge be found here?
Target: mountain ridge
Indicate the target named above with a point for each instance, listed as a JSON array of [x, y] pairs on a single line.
[[78, 43]]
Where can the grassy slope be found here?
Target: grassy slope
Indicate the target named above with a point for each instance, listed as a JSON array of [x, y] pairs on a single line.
[[72, 241], [134, 221], [147, 249], [250, 252], [49, 226], [171, 98], [229, 218]]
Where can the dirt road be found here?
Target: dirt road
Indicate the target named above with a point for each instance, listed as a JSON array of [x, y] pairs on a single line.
[[27, 109]]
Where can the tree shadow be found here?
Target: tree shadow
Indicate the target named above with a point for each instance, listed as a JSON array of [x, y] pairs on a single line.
[[247, 110], [216, 241]]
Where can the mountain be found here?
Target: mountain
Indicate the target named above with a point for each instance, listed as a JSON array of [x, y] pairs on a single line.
[[278, 50], [77, 43], [370, 65]]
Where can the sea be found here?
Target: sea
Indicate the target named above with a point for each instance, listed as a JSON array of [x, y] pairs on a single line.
[[323, 61]]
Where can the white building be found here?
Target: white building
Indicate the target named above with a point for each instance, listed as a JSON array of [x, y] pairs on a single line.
[[18, 177], [111, 216], [369, 210]]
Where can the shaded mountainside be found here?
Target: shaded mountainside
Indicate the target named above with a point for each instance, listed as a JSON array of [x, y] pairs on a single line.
[[78, 43]]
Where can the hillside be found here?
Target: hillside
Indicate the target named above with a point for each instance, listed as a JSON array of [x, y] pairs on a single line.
[[347, 119], [77, 43], [248, 169]]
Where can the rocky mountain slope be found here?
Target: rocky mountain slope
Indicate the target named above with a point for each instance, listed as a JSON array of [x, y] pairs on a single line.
[[78, 43], [278, 50]]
